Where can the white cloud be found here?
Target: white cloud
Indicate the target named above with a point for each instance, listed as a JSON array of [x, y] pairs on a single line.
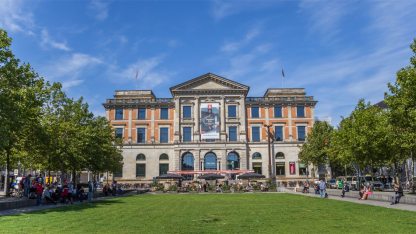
[[234, 46], [324, 17], [146, 72], [46, 41], [71, 83], [221, 9], [100, 8], [68, 69], [13, 18]]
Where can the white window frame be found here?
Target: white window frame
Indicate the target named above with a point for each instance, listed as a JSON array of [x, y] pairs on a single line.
[[145, 113], [228, 132], [306, 131], [164, 126], [251, 112], [283, 132], [145, 134], [192, 135], [260, 131], [236, 110], [192, 113]]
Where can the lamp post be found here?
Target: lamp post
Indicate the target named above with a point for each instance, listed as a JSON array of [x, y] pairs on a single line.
[[269, 138]]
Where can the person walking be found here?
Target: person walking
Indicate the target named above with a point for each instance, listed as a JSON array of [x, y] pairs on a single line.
[[345, 189], [90, 191], [39, 193], [322, 188]]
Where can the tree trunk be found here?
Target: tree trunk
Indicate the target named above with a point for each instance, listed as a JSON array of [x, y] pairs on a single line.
[[413, 173], [74, 178], [6, 176]]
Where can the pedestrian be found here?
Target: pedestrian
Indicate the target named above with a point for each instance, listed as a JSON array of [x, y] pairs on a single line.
[[39, 193], [398, 193], [322, 189], [90, 191]]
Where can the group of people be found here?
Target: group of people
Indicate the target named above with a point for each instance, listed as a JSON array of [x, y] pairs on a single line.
[[36, 188], [364, 192]]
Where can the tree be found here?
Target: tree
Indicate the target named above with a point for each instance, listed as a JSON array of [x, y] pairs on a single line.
[[316, 148], [401, 102], [364, 138], [22, 94]]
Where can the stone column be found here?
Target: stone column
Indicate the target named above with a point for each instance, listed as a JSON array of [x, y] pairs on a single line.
[[289, 117], [130, 125], [223, 134], [152, 124], [197, 133], [242, 118], [177, 119]]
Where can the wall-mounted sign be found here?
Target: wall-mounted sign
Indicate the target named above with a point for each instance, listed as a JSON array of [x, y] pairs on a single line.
[[292, 168], [210, 120]]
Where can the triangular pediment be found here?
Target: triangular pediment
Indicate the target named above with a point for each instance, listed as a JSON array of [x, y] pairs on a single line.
[[209, 81]]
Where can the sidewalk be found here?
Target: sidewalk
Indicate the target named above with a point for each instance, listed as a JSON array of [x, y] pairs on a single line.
[[365, 202]]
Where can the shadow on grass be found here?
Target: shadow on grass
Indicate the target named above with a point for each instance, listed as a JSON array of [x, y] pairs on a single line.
[[77, 207]]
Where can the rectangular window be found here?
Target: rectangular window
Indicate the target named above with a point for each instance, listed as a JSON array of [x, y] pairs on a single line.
[[140, 169], [141, 113], [163, 168], [119, 133], [119, 114], [278, 111], [187, 134], [232, 111], [186, 112], [257, 167], [118, 173], [164, 114], [301, 133], [302, 169], [278, 133], [255, 134], [255, 112], [232, 133], [141, 135], [280, 169], [164, 135], [300, 111]]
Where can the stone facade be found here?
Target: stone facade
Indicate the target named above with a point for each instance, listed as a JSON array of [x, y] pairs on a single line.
[[151, 127]]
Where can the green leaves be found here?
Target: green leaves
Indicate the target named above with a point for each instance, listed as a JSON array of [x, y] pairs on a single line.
[[44, 129]]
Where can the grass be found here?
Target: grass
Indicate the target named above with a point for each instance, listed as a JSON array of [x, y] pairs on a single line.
[[214, 213]]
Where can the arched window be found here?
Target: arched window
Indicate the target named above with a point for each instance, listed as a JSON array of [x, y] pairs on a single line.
[[140, 166], [256, 155], [210, 161], [141, 157], [280, 155], [163, 157], [187, 162], [233, 161]]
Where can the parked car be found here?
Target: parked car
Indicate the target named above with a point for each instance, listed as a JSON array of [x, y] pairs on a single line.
[[332, 183]]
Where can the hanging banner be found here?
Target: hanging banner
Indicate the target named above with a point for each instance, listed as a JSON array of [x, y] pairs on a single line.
[[210, 120], [292, 168]]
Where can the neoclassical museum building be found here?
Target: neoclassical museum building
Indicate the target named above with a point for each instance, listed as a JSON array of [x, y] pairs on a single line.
[[210, 125]]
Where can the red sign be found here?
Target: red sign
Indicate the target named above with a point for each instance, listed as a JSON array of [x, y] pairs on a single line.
[[292, 168]]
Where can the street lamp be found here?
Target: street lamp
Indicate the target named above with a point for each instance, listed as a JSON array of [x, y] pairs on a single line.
[[270, 138]]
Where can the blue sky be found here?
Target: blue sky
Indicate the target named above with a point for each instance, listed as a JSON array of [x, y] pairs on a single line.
[[339, 51]]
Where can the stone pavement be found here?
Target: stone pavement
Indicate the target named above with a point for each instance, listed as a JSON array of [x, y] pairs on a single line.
[[365, 202]]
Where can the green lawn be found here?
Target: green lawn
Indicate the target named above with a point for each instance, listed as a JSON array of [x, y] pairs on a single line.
[[214, 213]]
